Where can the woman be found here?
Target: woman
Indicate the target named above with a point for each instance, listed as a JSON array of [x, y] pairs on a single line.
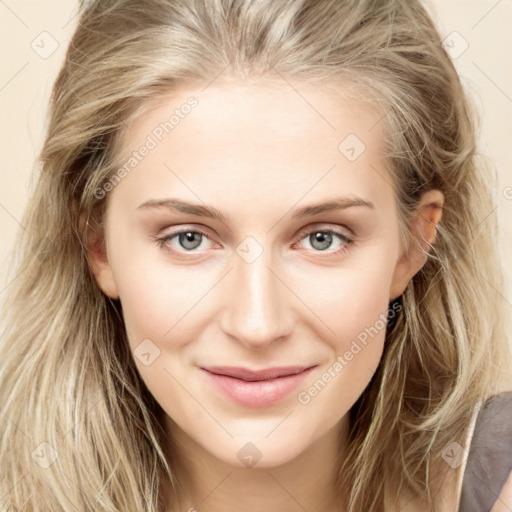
[[256, 273]]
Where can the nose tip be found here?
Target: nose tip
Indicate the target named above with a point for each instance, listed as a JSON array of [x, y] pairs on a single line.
[[257, 308]]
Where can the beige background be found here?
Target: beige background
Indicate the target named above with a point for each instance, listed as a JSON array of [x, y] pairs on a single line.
[[31, 29]]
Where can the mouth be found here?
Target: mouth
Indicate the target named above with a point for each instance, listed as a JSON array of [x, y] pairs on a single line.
[[260, 388]]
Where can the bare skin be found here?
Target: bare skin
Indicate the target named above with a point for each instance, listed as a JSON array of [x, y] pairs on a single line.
[[258, 153]]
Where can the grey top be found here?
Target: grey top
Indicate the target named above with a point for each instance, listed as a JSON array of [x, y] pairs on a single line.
[[489, 460]]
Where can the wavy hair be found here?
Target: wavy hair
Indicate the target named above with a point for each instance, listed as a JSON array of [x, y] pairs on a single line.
[[80, 431]]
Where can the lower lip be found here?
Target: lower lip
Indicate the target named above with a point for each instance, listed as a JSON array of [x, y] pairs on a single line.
[[260, 393]]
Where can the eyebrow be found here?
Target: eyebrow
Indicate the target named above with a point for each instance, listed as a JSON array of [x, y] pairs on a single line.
[[336, 203]]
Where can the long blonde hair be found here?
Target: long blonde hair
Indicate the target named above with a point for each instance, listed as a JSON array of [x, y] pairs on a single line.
[[79, 429]]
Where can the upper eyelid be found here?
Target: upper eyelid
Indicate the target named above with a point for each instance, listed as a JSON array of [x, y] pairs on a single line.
[[326, 227], [318, 226]]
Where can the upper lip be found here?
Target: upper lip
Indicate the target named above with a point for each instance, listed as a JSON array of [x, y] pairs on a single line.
[[252, 375]]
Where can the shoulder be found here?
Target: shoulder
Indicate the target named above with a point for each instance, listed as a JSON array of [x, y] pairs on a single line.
[[483, 465], [504, 501], [487, 477]]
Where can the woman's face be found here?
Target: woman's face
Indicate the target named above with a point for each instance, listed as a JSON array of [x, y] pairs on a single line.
[[260, 281]]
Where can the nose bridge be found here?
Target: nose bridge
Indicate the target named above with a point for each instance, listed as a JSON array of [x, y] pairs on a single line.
[[257, 309]]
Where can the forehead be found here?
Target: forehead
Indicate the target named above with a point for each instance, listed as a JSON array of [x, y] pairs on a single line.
[[258, 141]]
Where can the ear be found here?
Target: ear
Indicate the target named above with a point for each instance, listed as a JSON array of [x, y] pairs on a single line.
[[423, 226], [98, 261]]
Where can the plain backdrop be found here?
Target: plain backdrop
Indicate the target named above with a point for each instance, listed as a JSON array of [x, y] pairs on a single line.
[[35, 35]]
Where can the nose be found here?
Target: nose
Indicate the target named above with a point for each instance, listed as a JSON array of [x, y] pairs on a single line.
[[258, 306]]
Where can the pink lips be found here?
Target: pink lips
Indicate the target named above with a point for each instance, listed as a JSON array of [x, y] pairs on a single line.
[[257, 388]]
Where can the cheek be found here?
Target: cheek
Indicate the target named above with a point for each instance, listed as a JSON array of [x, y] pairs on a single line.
[[349, 299], [358, 317], [333, 392], [354, 305], [155, 299], [156, 294], [362, 307]]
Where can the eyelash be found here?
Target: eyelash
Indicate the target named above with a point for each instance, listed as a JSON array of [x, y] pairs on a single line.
[[163, 241]]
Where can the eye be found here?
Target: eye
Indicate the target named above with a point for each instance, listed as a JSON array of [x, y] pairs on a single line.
[[322, 239], [187, 240]]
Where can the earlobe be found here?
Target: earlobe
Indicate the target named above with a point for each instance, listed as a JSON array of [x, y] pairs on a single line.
[[424, 228], [99, 264]]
